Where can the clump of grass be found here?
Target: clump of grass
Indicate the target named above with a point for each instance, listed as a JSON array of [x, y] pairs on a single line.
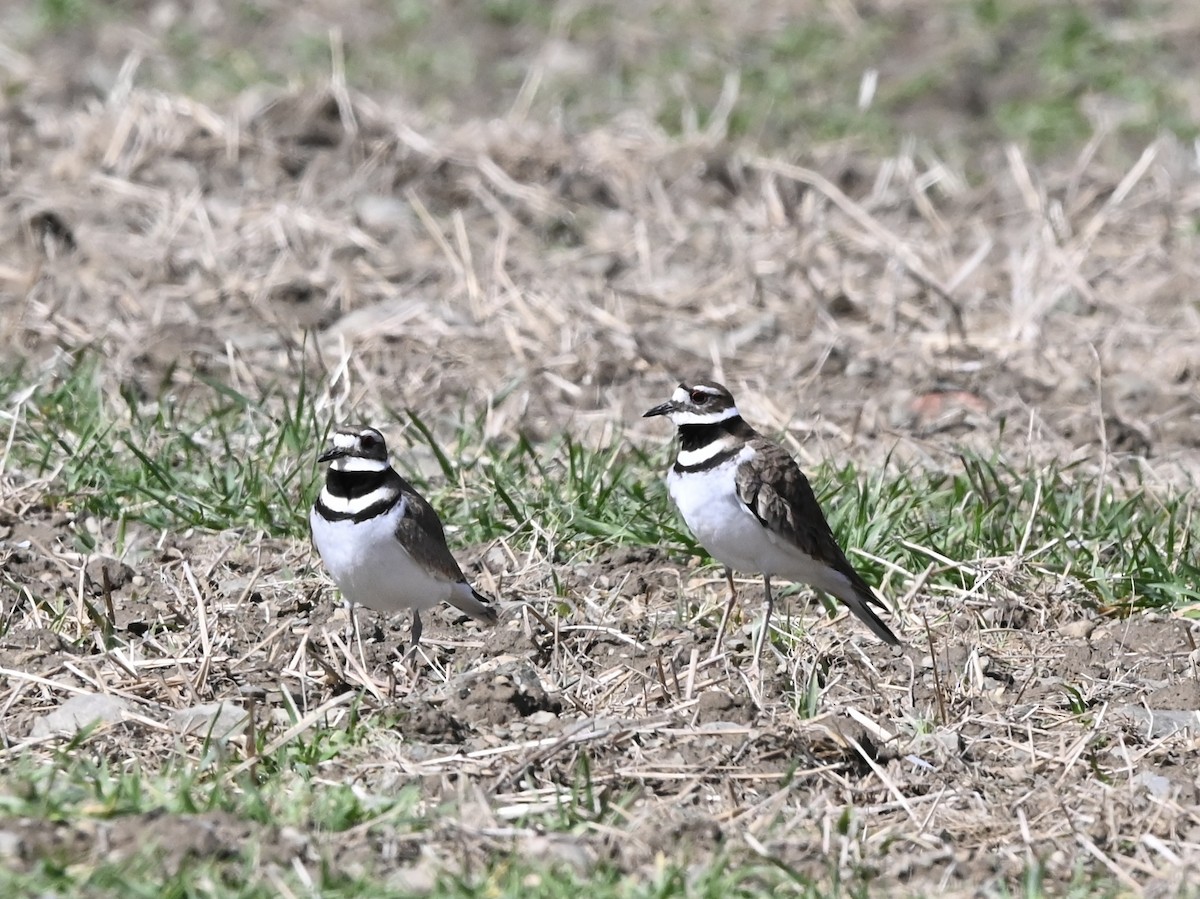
[[78, 782], [602, 496], [723, 877], [1125, 547], [209, 457], [216, 458]]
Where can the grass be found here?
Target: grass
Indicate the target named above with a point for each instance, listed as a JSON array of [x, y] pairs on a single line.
[[216, 458], [223, 474], [244, 875], [83, 785], [77, 784], [564, 487], [213, 457], [1125, 546], [207, 457], [1075, 55]]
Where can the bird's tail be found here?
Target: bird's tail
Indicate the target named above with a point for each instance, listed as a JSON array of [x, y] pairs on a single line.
[[866, 614], [466, 599], [858, 596]]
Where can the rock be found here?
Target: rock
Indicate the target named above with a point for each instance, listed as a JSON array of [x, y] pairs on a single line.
[[1078, 630], [118, 574], [714, 706], [382, 215], [220, 720], [1156, 784], [1159, 723], [10, 845], [79, 712]]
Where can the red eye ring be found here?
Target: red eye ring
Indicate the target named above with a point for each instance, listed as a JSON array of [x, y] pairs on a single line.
[[699, 397]]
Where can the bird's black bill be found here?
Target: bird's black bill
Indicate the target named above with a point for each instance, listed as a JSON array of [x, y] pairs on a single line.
[[330, 455], [660, 409]]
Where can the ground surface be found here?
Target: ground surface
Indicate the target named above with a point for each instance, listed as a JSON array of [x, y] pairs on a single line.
[[336, 254]]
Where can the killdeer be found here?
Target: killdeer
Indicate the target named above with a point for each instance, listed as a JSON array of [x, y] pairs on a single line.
[[747, 502], [382, 543]]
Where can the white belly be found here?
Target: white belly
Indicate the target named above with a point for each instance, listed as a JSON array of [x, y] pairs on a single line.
[[731, 533], [371, 568]]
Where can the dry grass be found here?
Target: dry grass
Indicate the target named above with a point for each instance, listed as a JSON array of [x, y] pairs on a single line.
[[577, 277], [886, 309]]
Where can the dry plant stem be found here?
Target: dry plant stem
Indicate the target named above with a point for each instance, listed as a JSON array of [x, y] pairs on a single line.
[[547, 627], [251, 734], [903, 251], [943, 720], [352, 664], [111, 621]]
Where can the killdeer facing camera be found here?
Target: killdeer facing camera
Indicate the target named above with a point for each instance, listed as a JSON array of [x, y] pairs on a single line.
[[747, 502], [382, 543]]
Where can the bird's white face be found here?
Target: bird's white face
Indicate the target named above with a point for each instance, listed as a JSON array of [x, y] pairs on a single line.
[[353, 449], [697, 404]]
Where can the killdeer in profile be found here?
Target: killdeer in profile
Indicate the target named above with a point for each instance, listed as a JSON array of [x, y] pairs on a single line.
[[381, 541], [747, 502]]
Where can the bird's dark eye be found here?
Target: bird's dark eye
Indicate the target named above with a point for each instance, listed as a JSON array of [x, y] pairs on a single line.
[[699, 397], [368, 439]]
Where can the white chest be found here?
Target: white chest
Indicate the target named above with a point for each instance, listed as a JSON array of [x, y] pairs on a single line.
[[725, 526], [710, 507], [371, 567]]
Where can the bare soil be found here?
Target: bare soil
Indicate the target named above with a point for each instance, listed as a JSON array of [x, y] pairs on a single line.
[[1027, 741], [868, 308]]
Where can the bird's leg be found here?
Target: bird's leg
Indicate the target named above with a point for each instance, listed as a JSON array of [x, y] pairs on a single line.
[[409, 659], [716, 650], [353, 635], [766, 626], [415, 633]]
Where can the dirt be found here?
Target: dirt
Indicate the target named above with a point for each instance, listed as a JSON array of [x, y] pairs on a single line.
[[1014, 718], [178, 839], [568, 280]]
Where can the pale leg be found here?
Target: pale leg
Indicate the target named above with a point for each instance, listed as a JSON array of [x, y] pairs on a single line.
[[766, 625], [410, 657], [353, 635], [716, 650]]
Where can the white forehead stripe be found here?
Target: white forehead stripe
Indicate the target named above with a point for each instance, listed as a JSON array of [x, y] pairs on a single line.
[[344, 441], [680, 395]]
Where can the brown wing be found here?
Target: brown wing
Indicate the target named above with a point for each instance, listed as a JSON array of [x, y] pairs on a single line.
[[774, 488], [422, 533]]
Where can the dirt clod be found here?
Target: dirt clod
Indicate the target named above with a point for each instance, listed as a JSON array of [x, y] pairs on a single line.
[[498, 698]]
